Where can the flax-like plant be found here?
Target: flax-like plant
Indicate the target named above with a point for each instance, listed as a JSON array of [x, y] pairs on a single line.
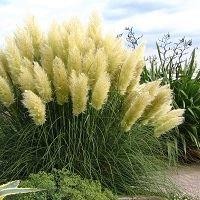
[[71, 98], [11, 188]]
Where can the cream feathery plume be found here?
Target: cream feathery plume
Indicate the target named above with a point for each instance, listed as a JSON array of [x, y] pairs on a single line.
[[136, 110], [77, 34], [164, 96], [55, 39], [129, 99], [151, 87], [94, 29], [100, 91], [65, 45], [74, 60], [4, 60], [88, 45], [88, 61], [99, 66], [73, 26], [171, 114], [35, 34], [47, 58], [14, 59], [60, 81], [25, 79], [129, 69], [3, 71], [164, 109], [136, 76], [35, 106], [93, 66], [78, 84], [24, 43], [6, 94], [42, 83], [114, 50], [168, 125]]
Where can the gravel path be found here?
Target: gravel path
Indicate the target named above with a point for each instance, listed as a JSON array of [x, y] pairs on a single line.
[[188, 178]]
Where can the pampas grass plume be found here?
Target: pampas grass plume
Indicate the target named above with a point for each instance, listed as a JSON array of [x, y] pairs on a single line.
[[79, 92], [42, 84], [6, 94], [14, 59], [100, 91], [168, 125], [25, 79], [131, 69], [136, 110], [164, 96], [35, 106], [60, 81]]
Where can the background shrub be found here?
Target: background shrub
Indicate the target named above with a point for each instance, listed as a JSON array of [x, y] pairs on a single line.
[[175, 66], [184, 81]]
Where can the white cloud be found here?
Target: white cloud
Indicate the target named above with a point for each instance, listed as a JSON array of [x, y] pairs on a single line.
[[13, 13], [176, 16], [182, 19]]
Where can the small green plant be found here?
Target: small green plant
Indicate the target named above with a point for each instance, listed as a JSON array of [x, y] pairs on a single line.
[[61, 184], [11, 188]]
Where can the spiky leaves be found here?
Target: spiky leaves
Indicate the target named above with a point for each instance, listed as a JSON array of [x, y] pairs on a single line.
[[6, 94], [79, 92], [11, 188], [60, 81], [35, 106], [42, 83]]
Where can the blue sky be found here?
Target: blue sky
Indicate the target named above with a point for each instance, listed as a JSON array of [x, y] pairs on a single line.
[[153, 18]]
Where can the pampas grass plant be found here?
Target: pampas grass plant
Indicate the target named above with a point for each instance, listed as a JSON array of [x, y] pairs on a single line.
[[72, 98]]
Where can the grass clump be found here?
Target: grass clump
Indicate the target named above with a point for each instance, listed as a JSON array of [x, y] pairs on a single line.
[[72, 98]]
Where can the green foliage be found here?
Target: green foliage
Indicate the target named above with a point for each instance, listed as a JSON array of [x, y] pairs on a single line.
[[91, 144], [61, 184]]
